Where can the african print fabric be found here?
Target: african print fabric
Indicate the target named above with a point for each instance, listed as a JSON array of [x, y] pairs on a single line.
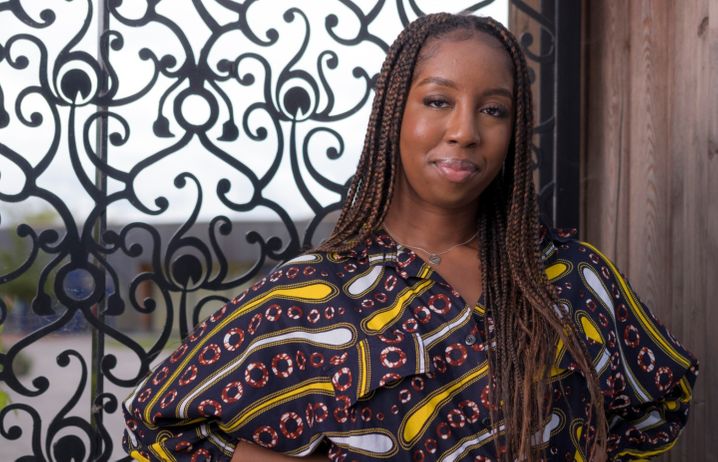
[[372, 355]]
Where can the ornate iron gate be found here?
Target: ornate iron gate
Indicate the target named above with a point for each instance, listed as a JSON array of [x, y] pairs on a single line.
[[157, 156]]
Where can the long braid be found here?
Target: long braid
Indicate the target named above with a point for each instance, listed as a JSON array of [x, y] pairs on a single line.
[[370, 190], [521, 303]]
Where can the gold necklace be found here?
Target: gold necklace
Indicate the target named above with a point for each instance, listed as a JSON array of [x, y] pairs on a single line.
[[434, 257]]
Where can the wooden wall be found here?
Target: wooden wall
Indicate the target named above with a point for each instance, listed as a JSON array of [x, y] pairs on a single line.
[[650, 190]]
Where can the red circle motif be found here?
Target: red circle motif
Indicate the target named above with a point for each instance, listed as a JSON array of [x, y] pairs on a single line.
[[443, 430], [168, 398], [316, 359], [232, 392], [329, 312], [314, 316], [160, 375], [342, 379], [396, 336], [288, 365], [258, 382], [440, 303], [201, 455], [295, 312], [301, 359], [289, 417], [646, 359], [273, 312], [321, 412], [395, 363], [231, 344], [209, 355], [189, 375], [410, 325], [388, 378], [271, 433], [470, 409], [337, 360], [254, 323], [455, 354], [456, 418], [178, 353], [209, 404], [664, 378], [217, 315], [404, 395], [631, 336]]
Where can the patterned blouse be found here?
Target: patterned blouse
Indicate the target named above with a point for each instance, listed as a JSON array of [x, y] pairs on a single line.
[[371, 355]]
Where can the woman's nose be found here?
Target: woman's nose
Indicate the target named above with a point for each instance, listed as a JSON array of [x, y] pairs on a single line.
[[463, 127]]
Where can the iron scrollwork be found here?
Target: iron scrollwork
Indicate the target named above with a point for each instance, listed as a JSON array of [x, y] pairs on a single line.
[[150, 149]]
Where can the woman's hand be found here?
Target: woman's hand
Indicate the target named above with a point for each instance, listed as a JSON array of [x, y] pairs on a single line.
[[249, 452]]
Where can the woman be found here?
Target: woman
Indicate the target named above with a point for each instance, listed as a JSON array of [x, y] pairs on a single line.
[[439, 321]]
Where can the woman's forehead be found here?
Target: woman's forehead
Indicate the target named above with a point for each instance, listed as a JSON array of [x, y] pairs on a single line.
[[432, 45]]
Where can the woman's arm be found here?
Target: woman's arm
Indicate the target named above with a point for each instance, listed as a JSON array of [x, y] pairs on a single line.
[[649, 378], [249, 452]]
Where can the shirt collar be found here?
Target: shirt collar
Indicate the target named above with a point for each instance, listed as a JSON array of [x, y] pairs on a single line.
[[380, 248]]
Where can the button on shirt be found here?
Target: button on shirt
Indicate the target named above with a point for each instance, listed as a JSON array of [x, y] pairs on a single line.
[[372, 353]]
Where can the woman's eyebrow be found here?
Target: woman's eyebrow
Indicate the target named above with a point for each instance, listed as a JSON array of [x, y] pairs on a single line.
[[497, 91], [438, 81]]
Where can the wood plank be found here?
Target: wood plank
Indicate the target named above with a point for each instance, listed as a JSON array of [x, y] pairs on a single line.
[[607, 129], [651, 183], [687, 150], [648, 192], [695, 256]]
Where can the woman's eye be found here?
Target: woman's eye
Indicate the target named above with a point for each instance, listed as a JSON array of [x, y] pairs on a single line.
[[436, 102], [495, 111]]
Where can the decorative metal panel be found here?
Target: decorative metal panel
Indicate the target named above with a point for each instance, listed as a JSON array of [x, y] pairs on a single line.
[[155, 158]]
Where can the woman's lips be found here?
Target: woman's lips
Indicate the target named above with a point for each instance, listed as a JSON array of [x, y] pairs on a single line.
[[456, 170]]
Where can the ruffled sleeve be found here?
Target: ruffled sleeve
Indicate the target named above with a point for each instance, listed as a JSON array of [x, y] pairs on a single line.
[[244, 373], [646, 375]]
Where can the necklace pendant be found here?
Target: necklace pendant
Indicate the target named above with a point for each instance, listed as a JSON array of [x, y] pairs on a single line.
[[434, 259]]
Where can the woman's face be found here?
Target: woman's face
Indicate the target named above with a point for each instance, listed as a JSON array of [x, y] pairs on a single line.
[[457, 122]]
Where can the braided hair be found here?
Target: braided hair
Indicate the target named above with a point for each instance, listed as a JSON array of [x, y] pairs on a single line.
[[521, 302]]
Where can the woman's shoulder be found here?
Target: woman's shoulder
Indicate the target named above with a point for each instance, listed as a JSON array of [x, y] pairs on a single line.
[[583, 276], [606, 311], [564, 255], [305, 282], [562, 243]]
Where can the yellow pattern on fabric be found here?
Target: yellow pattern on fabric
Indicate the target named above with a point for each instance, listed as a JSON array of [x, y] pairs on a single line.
[[380, 320], [556, 370], [590, 329], [640, 313], [558, 270], [576, 432], [319, 385], [418, 418], [651, 453], [364, 369], [160, 452], [311, 292], [687, 394], [425, 271], [286, 336], [138, 457]]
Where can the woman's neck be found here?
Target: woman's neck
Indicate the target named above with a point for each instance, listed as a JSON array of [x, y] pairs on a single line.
[[429, 227]]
